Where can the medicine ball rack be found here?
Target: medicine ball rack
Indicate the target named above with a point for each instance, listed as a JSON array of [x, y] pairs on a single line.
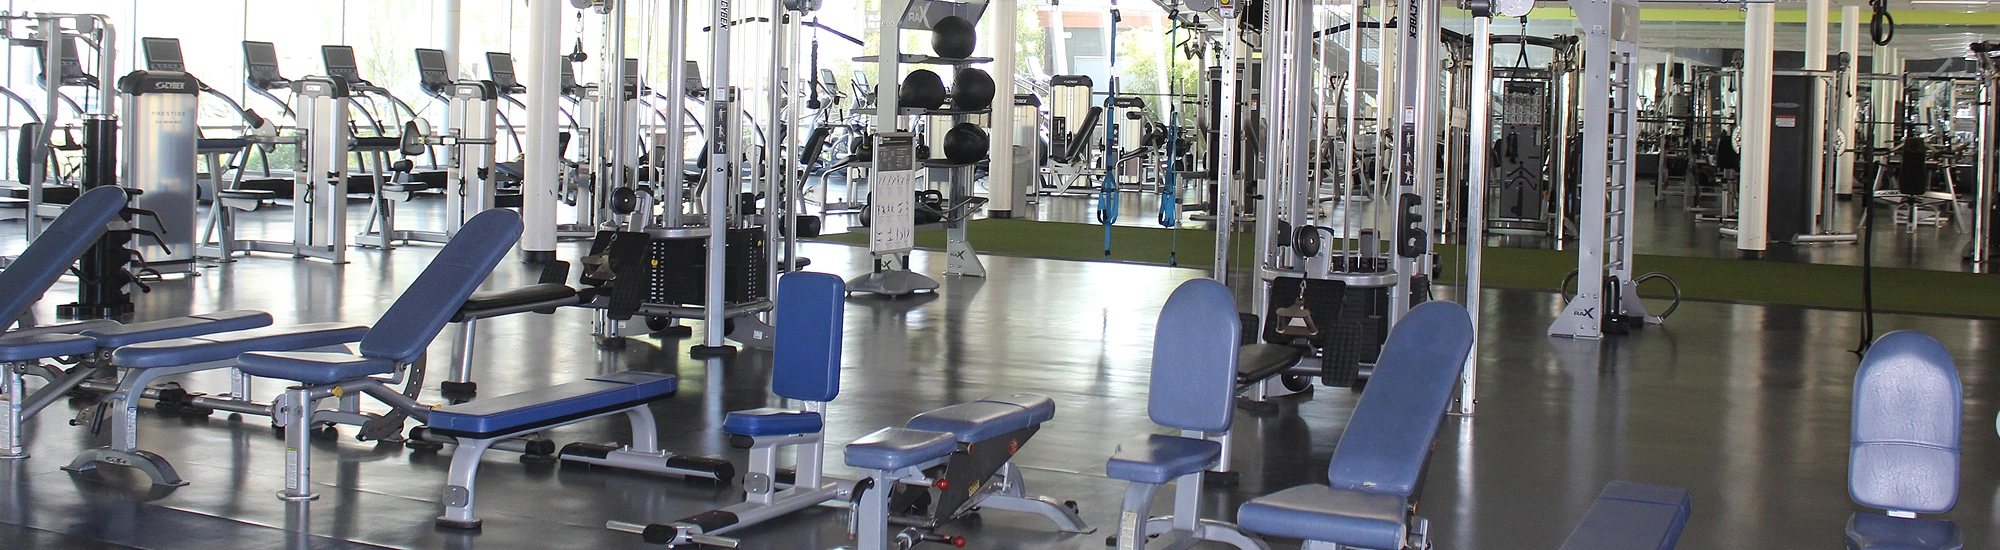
[[891, 276]]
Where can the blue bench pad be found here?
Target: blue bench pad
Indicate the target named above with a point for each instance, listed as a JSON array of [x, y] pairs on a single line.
[[65, 328], [179, 327], [898, 448], [228, 345], [29, 347], [1879, 532], [1157, 459], [311, 367], [1326, 514], [986, 418], [1633, 516], [772, 422], [550, 406]]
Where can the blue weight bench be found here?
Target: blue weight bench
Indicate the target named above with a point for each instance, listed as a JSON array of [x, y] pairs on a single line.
[[805, 371], [1374, 479], [400, 327], [86, 343], [390, 352], [476, 426], [961, 457], [1193, 390], [1904, 455], [1632, 516]]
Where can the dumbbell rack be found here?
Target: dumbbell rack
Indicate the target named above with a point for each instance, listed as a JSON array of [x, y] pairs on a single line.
[[891, 277]]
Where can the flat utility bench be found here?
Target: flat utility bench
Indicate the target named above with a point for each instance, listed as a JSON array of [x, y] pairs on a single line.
[[960, 457], [1632, 516], [1903, 458], [1374, 479], [480, 424]]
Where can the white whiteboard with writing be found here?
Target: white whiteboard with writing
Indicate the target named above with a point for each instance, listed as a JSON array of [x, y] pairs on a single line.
[[892, 223]]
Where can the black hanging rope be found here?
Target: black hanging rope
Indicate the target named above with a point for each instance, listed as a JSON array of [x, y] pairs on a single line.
[[1881, 26]]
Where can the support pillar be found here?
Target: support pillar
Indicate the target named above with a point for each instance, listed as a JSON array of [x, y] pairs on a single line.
[[1850, 44], [1753, 200], [538, 185], [1002, 195], [1816, 51]]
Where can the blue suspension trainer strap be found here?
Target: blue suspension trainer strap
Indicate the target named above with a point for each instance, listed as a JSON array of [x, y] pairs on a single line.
[[1107, 196]]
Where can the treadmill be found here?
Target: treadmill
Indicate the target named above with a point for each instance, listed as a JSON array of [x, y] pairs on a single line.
[[341, 63]]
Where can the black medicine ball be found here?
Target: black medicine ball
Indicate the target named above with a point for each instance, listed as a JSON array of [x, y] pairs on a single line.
[[965, 143], [971, 90], [953, 37], [922, 89]]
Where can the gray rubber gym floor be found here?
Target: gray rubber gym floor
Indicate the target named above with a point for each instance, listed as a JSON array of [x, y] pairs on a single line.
[[1746, 406]]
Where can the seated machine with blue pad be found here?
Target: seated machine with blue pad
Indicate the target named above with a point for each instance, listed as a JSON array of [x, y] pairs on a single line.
[[396, 344], [805, 370], [1375, 477], [22, 351], [1908, 406], [1193, 389], [1632, 516], [957, 458]]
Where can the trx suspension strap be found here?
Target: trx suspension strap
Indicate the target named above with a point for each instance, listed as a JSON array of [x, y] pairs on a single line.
[[1107, 196], [1170, 189]]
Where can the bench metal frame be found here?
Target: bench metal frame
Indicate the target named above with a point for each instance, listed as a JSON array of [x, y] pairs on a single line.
[[764, 497], [1006, 490], [122, 403], [459, 489], [1186, 524]]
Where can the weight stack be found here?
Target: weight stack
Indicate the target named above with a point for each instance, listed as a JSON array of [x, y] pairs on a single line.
[[680, 267], [1358, 334], [104, 273]]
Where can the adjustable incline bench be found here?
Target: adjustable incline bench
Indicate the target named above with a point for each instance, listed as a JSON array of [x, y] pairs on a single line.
[[805, 368], [1375, 476], [963, 454], [147, 362], [88, 343], [397, 342]]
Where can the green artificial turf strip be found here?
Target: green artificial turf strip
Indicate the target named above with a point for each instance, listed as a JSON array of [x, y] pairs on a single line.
[[1750, 281]]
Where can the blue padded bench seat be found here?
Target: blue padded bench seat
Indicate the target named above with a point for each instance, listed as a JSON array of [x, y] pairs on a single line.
[[771, 422], [179, 327], [228, 345], [65, 328], [1876, 531], [890, 449], [509, 414], [312, 367], [1632, 516], [1306, 512], [1158, 459], [987, 418], [29, 347]]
